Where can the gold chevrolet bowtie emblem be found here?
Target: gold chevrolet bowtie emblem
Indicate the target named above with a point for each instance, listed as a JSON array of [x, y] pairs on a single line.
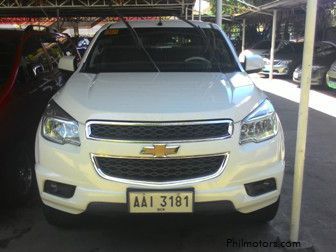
[[160, 150]]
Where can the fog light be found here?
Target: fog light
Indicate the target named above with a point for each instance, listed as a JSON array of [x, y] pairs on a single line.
[[260, 187], [59, 189]]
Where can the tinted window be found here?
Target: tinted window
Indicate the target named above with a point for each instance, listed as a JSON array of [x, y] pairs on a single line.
[[286, 49], [172, 50], [262, 45], [67, 46], [324, 49], [54, 53], [36, 58], [266, 44]]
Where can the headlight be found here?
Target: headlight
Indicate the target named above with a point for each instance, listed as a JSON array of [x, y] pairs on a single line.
[[58, 126], [260, 125]]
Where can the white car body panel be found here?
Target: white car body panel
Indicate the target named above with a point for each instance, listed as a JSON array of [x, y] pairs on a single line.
[[261, 52]]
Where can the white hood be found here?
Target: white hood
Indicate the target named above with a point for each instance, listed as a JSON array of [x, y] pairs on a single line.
[[159, 96], [262, 52]]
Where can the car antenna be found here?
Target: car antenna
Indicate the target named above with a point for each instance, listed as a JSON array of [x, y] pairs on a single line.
[[136, 38]]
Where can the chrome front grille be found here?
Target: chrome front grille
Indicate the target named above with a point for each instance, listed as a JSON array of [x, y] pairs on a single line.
[[159, 131], [160, 170]]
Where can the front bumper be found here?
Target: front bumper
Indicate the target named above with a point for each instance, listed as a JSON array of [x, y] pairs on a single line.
[[247, 163], [331, 79], [314, 81], [317, 78], [278, 70]]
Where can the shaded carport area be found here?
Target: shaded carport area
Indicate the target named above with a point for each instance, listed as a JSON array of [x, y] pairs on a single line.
[[26, 229], [310, 35]]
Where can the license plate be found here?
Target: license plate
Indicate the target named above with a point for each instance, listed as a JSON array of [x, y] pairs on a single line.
[[160, 201]]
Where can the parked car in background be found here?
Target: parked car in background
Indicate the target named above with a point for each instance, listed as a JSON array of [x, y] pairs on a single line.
[[159, 117], [331, 76], [28, 78], [67, 45], [82, 43], [324, 56], [263, 48], [286, 59]]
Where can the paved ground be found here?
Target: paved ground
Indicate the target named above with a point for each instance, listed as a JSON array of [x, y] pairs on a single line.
[[26, 230]]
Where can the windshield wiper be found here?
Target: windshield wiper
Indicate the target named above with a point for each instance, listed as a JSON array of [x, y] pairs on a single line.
[[200, 31], [137, 39], [205, 38], [215, 48]]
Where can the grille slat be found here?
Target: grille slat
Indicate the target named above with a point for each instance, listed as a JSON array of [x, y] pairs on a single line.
[[159, 170], [332, 79], [160, 132]]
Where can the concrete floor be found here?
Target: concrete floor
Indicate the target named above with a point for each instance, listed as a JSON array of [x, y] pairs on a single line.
[[26, 230]]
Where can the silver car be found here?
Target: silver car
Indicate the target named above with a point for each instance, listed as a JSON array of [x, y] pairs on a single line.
[[324, 55]]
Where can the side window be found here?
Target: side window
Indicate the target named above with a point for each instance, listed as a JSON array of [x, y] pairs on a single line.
[[329, 50], [67, 46], [54, 53], [262, 45], [36, 59], [324, 49]]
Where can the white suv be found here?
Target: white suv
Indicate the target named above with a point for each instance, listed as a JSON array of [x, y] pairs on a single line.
[[159, 117]]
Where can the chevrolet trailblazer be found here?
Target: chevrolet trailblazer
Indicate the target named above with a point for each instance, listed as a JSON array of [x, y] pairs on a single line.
[[159, 117]]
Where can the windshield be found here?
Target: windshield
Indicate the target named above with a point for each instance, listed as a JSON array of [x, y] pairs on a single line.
[[291, 48], [7, 53], [172, 50], [262, 45], [265, 44]]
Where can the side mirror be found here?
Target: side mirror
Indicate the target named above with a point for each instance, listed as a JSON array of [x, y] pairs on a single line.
[[67, 63], [253, 63]]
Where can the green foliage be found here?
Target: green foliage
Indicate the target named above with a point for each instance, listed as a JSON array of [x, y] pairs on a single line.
[[231, 7]]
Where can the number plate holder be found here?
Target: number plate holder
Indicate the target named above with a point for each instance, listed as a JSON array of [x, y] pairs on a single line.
[[160, 201]]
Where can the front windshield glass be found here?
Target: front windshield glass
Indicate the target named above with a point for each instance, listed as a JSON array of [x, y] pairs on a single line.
[[262, 45], [291, 48], [172, 50]]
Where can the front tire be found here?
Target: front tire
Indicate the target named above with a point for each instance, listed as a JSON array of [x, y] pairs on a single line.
[[19, 175], [265, 214], [59, 218]]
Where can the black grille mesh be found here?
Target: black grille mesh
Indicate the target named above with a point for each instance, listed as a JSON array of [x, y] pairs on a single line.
[[159, 170], [159, 133], [332, 79]]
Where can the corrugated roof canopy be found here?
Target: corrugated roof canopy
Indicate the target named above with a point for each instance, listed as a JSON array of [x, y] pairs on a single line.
[[281, 5], [101, 8]]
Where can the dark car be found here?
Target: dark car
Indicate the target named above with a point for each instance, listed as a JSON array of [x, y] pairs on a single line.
[[82, 44], [324, 56], [28, 78], [286, 59]]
